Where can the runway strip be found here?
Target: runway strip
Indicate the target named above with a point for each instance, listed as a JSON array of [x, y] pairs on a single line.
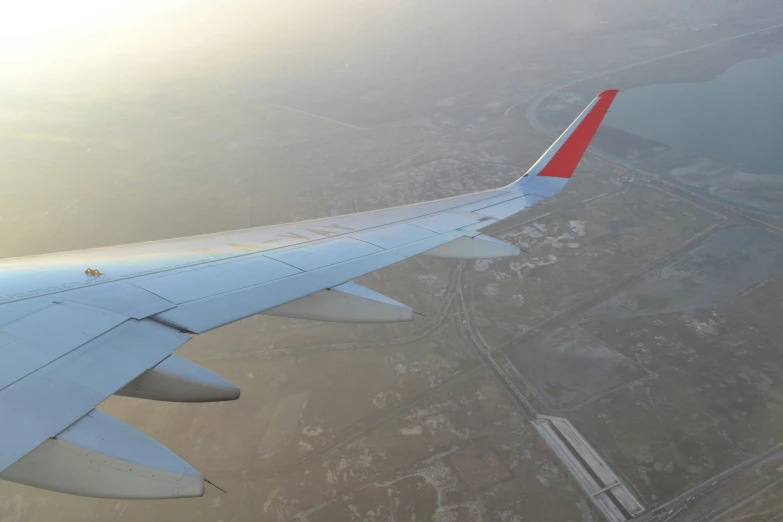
[[598, 480]]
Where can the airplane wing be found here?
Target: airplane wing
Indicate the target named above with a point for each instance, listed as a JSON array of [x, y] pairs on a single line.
[[78, 327]]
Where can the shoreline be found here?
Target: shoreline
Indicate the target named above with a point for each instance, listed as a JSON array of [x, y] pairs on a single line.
[[687, 171]]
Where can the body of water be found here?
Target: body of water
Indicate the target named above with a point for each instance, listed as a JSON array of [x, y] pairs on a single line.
[[736, 117]]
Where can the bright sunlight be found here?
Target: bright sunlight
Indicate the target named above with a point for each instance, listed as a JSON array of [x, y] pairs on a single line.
[[30, 29]]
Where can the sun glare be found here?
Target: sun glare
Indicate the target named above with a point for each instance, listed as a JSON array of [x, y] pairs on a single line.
[[34, 28]]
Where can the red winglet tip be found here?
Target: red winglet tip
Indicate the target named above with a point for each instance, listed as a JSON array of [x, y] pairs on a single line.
[[565, 160]]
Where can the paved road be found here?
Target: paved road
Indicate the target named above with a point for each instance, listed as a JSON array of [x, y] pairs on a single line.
[[673, 510]]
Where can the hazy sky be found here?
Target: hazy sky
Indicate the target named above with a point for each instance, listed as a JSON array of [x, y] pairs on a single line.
[[156, 109], [31, 29]]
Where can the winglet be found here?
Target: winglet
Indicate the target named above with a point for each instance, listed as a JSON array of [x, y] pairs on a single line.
[[561, 159]]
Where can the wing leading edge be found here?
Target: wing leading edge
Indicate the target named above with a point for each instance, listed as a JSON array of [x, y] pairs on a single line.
[[78, 327]]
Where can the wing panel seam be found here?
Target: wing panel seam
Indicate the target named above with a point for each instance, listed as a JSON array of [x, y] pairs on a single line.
[[61, 355]]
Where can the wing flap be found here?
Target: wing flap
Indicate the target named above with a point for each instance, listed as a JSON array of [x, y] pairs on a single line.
[[44, 336], [123, 298], [319, 255], [47, 401], [191, 284], [213, 312]]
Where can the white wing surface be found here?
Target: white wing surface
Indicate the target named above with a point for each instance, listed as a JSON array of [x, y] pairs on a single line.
[[78, 327]]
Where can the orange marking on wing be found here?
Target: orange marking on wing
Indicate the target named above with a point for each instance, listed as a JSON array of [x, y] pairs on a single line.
[[244, 248]]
